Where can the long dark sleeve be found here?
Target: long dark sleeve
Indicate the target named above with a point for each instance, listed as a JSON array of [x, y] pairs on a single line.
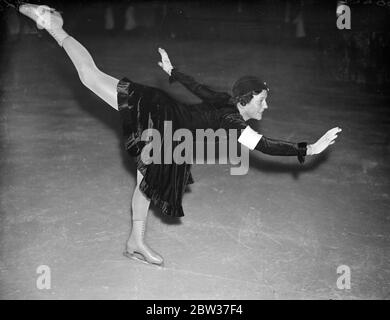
[[200, 90], [254, 140], [282, 148]]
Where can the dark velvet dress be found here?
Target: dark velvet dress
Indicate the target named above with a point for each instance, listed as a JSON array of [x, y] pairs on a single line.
[[142, 107]]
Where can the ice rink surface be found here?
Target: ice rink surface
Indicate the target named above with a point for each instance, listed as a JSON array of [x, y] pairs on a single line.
[[279, 232]]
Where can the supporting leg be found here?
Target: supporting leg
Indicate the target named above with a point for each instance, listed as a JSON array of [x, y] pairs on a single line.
[[136, 247], [140, 204]]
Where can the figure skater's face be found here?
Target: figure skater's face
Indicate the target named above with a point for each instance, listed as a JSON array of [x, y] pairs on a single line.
[[255, 108]]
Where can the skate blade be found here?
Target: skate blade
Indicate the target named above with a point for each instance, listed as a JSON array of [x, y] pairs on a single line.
[[140, 258]]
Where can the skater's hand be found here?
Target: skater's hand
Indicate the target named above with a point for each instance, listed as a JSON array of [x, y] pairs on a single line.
[[326, 140], [165, 63]]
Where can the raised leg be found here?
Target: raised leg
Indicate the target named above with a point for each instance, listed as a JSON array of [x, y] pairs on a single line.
[[103, 85]]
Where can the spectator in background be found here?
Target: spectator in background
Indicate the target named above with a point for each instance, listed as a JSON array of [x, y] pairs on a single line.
[[130, 23], [109, 20], [299, 22], [294, 20]]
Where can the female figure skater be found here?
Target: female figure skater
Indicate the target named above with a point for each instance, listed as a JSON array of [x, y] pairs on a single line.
[[142, 107]]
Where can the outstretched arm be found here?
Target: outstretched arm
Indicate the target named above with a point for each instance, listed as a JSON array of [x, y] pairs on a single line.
[[200, 90], [254, 140]]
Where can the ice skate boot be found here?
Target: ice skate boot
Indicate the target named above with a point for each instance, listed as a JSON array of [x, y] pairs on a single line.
[[45, 18], [137, 248]]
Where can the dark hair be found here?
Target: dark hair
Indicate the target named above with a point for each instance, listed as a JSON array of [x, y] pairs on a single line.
[[243, 99]]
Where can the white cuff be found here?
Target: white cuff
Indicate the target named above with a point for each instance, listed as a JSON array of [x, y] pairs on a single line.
[[249, 138]]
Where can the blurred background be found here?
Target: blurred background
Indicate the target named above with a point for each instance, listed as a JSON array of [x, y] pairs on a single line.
[[357, 55]]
